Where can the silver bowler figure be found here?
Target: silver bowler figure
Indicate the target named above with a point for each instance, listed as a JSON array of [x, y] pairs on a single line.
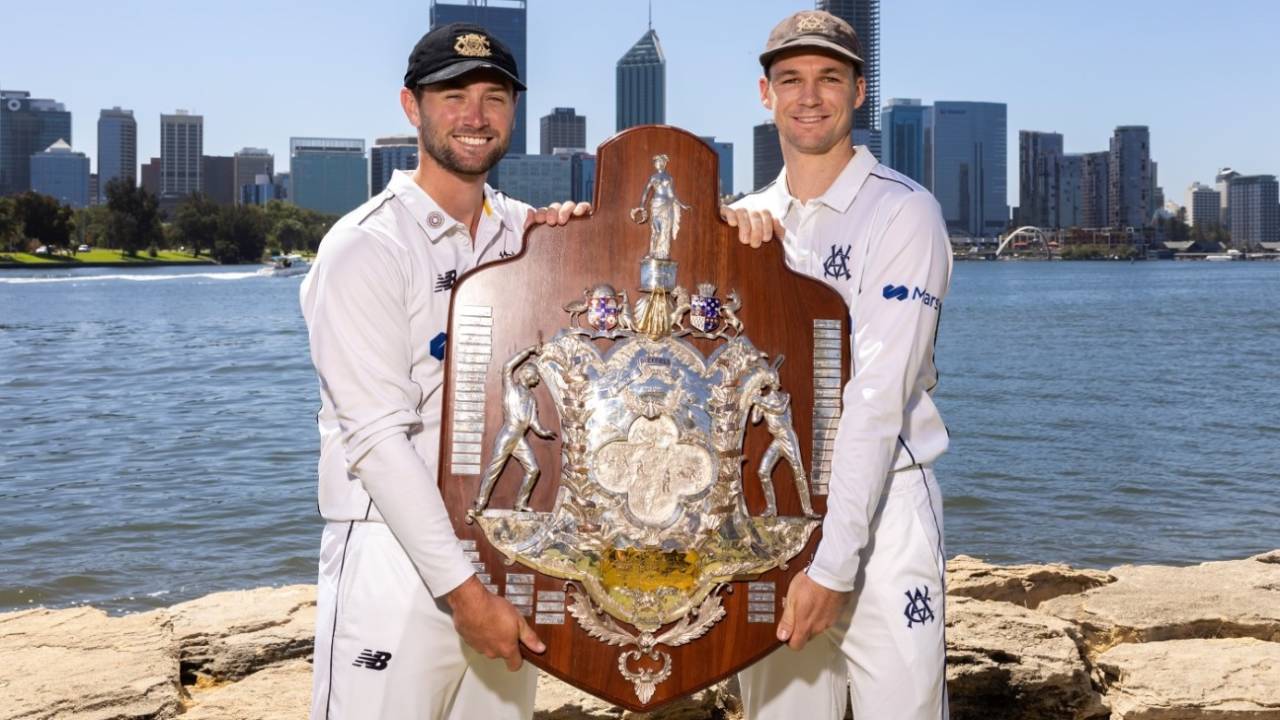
[[773, 405], [519, 415]]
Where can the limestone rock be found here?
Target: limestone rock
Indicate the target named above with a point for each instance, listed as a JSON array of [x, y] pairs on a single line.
[[560, 701], [81, 664], [1026, 585], [1151, 603], [228, 635], [1183, 679], [280, 692], [1007, 662]]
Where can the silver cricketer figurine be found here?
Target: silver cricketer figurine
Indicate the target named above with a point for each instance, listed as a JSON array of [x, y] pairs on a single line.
[[773, 405], [664, 209], [519, 415]]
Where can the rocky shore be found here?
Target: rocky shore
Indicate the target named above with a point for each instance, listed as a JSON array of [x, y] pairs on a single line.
[[1023, 641]]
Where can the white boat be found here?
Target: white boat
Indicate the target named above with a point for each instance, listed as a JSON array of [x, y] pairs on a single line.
[[286, 265], [1232, 254]]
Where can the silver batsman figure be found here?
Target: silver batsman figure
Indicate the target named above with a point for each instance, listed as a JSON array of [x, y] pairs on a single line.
[[519, 415], [664, 210], [773, 405]]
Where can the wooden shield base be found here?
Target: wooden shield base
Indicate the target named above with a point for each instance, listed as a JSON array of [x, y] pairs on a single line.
[[527, 293]]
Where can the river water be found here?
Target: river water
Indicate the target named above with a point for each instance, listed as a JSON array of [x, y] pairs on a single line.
[[157, 435]]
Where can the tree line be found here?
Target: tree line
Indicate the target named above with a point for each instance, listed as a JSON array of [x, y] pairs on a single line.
[[130, 221]]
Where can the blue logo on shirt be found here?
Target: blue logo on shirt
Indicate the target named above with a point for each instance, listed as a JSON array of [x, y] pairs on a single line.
[[437, 346], [895, 292], [900, 293]]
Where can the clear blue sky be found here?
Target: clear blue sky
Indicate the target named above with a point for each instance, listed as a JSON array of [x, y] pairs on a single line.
[[1203, 76]]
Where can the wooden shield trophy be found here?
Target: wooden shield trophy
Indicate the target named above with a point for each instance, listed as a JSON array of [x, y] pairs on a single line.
[[638, 419]]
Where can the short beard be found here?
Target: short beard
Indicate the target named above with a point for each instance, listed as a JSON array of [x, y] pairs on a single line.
[[446, 158]]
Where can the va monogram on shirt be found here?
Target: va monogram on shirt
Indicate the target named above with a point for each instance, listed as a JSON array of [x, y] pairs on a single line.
[[445, 280], [836, 265], [918, 611]]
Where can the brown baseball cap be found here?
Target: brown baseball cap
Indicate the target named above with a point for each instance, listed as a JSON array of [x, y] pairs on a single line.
[[815, 29]]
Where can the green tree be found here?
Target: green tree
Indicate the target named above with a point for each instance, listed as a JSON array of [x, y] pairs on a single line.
[[134, 222], [289, 235], [197, 220], [44, 219], [10, 224], [91, 225], [241, 235]]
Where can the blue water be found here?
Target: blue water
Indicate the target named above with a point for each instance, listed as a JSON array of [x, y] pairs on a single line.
[[157, 436]]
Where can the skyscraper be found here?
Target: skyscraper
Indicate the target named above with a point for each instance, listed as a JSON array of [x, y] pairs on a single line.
[[507, 20], [907, 139], [61, 173], [117, 148], [1204, 208], [388, 154], [1071, 191], [1255, 210], [642, 84], [969, 166], [1223, 182], [181, 150], [563, 128], [218, 178], [1039, 168], [1129, 189], [248, 164], [536, 179], [864, 16], [27, 126], [328, 175], [724, 154], [766, 149]]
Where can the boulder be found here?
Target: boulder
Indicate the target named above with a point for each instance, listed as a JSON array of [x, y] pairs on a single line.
[[229, 635], [1185, 679], [81, 664], [1005, 662], [280, 692], [1151, 603], [1026, 585]]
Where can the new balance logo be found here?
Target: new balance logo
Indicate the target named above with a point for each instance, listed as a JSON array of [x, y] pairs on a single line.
[[445, 280], [895, 292], [373, 659]]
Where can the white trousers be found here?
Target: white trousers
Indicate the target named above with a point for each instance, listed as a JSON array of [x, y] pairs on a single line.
[[888, 648], [387, 650]]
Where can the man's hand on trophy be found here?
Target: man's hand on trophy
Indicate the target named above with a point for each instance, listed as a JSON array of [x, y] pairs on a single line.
[[755, 227], [490, 624], [807, 610], [556, 213]]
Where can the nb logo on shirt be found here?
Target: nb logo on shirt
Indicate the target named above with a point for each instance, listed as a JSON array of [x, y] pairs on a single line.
[[373, 659], [445, 280]]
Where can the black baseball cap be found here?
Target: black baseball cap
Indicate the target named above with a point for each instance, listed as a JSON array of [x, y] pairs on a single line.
[[456, 49], [815, 29]]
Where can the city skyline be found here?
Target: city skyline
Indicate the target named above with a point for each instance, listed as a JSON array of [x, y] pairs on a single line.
[[1070, 81]]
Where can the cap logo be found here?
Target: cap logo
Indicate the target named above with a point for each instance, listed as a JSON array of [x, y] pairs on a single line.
[[472, 45], [811, 23]]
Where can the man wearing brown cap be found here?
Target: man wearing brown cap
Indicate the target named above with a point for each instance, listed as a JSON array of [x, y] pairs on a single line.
[[868, 611], [405, 629]]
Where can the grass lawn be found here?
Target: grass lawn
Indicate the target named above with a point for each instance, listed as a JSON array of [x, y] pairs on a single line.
[[101, 256]]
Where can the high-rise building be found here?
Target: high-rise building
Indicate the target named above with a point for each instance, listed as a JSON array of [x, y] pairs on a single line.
[[181, 150], [642, 84], [61, 173], [969, 166], [906, 128], [218, 178], [1157, 192], [260, 192], [1204, 207], [584, 177], [508, 21], [1129, 194], [1039, 181], [864, 16], [95, 196], [329, 175], [766, 151], [117, 148], [388, 154], [536, 179], [1255, 210], [724, 153], [563, 128], [150, 177], [1223, 182], [1071, 191], [1095, 181], [248, 164], [27, 126]]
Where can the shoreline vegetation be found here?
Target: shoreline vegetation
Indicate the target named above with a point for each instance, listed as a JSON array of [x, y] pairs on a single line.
[[1024, 642], [100, 258]]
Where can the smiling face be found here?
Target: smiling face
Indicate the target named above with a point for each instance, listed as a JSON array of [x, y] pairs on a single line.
[[812, 96], [464, 125]]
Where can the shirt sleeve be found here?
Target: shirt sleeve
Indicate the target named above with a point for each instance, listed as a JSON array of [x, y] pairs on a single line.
[[905, 277], [358, 322]]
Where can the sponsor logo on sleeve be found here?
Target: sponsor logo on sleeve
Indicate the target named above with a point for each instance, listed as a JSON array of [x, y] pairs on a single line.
[[902, 294]]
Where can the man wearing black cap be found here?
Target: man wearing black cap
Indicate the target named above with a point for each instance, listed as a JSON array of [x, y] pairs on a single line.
[[869, 608], [405, 628]]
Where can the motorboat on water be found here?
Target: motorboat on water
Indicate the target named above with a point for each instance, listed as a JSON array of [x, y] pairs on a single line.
[[285, 266]]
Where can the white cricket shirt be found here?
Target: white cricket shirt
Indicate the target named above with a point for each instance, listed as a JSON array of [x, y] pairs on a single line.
[[879, 239], [376, 302]]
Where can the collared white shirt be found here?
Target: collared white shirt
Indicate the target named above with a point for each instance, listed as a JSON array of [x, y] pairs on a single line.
[[878, 238], [376, 302]]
